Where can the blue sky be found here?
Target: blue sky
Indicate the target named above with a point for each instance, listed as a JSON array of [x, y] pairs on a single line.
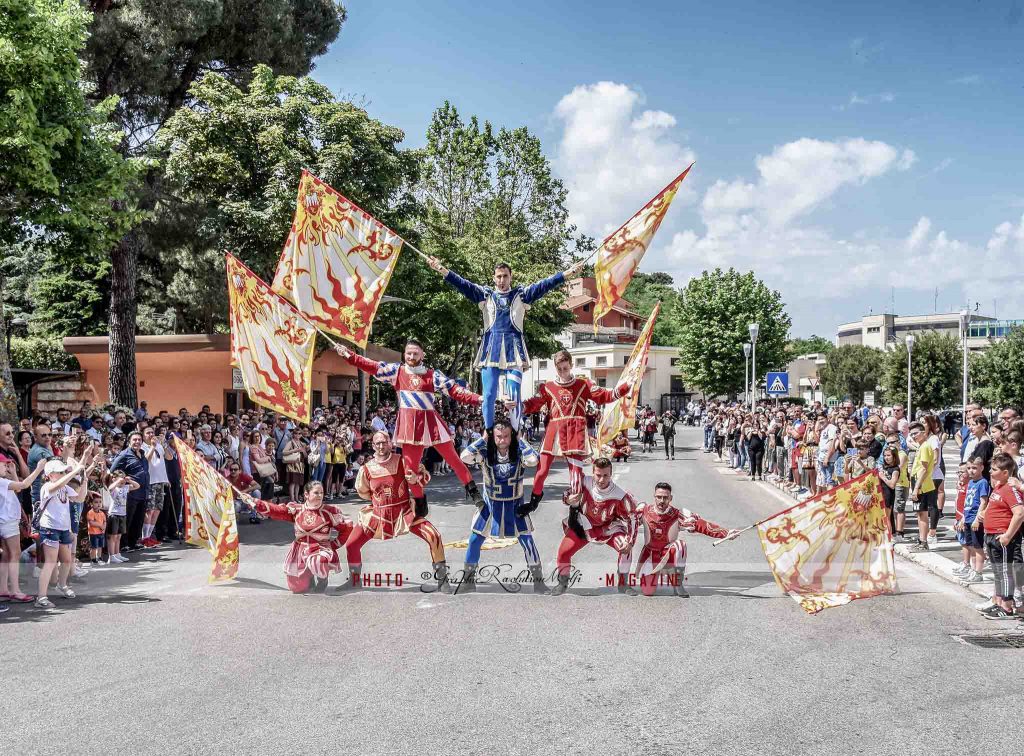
[[842, 151]]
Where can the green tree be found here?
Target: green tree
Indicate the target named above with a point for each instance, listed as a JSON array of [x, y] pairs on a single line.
[[644, 291], [851, 370], [996, 375], [717, 308], [61, 170], [231, 176], [935, 372], [148, 53], [814, 345]]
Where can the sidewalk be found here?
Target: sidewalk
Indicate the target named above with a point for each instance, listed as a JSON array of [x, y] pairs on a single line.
[[941, 558]]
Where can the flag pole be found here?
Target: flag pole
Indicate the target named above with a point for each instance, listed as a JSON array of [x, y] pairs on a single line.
[[735, 535]]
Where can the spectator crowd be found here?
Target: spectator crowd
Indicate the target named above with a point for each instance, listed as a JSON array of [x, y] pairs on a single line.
[[808, 450]]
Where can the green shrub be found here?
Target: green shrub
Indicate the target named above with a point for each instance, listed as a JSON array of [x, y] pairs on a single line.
[[41, 353]]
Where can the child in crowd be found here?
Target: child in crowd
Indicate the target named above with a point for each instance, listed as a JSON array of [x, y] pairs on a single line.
[[969, 528], [1002, 518], [115, 498], [96, 520]]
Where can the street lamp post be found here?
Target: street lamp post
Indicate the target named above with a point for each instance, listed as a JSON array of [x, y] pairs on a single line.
[[746, 374], [965, 321], [910, 349], [754, 327]]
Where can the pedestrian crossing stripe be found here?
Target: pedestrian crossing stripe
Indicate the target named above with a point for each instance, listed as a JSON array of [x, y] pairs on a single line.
[[777, 387]]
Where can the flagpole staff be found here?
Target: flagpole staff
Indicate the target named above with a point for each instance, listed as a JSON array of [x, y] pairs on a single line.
[[735, 535]]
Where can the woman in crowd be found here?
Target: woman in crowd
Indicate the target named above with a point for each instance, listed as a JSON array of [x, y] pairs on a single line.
[[293, 456], [264, 471], [755, 442]]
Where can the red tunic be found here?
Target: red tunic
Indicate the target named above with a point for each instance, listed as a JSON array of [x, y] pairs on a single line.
[[608, 516], [319, 533], [418, 422], [390, 512], [567, 413], [663, 543]]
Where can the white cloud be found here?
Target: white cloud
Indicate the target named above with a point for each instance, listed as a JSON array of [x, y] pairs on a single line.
[[969, 80], [613, 156], [856, 99], [764, 225], [920, 232], [798, 176]]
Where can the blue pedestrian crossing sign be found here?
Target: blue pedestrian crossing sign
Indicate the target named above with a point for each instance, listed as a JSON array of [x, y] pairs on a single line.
[[777, 384]]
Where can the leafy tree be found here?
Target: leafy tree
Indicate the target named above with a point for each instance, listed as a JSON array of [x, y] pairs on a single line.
[[232, 172], [61, 170], [851, 370], [996, 375], [716, 310], [814, 345], [644, 291], [147, 53], [935, 372]]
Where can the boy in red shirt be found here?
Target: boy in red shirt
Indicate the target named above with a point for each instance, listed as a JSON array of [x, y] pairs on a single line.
[[1002, 518]]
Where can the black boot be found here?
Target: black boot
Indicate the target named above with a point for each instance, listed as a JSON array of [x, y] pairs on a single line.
[[680, 587], [524, 509], [623, 586], [468, 582], [539, 586], [474, 493], [441, 573], [421, 506], [562, 587], [354, 581], [319, 585]]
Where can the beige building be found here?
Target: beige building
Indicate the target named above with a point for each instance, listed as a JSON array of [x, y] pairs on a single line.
[[885, 330], [803, 377]]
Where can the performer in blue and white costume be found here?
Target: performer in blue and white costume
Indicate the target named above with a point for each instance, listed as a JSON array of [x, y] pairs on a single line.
[[503, 466], [503, 347]]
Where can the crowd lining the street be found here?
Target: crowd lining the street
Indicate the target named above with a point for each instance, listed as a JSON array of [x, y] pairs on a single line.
[[809, 450]]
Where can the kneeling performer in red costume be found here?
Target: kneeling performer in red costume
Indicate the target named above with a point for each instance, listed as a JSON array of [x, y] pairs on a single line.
[[664, 547], [385, 481], [601, 512], [320, 530]]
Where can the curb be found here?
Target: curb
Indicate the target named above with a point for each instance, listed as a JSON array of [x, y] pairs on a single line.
[[936, 564]]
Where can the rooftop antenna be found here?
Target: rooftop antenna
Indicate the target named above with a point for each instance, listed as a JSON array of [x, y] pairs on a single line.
[[892, 295], [935, 303]]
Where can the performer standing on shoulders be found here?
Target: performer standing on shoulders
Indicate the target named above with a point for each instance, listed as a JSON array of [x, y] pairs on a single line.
[[320, 530], [566, 400], [664, 547], [385, 481], [503, 345], [419, 425], [601, 512], [503, 465]]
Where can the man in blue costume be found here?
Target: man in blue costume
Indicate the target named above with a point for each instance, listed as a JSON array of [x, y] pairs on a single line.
[[503, 345], [503, 458]]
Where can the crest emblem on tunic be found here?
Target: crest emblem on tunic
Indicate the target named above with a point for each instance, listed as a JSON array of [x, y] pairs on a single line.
[[564, 397]]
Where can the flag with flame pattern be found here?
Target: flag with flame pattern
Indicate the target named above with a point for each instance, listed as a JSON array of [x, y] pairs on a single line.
[[336, 262], [834, 547], [621, 253], [621, 415], [272, 344], [209, 512]]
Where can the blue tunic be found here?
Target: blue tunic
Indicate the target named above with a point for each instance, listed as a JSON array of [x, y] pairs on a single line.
[[502, 345], [503, 490]]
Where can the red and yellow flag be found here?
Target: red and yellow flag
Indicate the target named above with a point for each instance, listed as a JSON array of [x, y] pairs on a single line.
[[620, 254], [336, 262], [272, 344], [621, 414], [833, 548], [209, 512]]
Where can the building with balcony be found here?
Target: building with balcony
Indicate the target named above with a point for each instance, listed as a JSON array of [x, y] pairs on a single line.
[[885, 331]]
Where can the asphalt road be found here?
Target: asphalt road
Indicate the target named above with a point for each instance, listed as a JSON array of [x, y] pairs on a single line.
[[150, 659]]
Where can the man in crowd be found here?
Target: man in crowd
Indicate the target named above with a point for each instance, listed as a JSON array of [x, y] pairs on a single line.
[[135, 465], [42, 449]]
